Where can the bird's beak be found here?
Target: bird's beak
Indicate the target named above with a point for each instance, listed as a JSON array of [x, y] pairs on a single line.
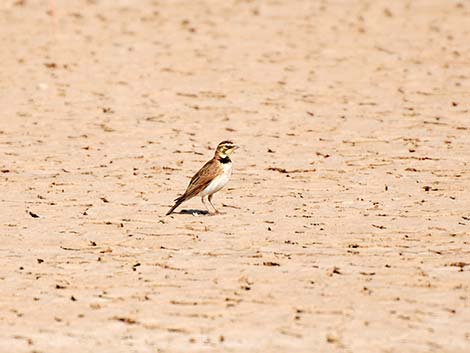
[[236, 147]]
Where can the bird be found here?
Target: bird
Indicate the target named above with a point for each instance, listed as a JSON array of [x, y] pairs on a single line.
[[212, 177]]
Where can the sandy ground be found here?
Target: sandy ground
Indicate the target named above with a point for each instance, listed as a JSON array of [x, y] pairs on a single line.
[[347, 220]]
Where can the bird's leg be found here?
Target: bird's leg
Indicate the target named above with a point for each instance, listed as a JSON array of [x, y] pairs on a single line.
[[205, 205], [210, 201]]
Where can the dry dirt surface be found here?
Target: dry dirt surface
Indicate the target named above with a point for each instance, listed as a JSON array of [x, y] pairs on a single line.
[[346, 222]]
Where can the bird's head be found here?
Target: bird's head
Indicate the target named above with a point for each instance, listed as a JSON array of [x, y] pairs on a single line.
[[225, 148]]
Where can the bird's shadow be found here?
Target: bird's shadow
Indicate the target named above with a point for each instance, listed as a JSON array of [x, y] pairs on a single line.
[[194, 212]]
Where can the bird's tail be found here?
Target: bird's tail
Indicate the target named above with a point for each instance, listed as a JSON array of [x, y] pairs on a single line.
[[178, 202]]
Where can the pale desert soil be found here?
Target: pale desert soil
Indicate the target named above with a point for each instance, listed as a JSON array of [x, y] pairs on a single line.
[[346, 225]]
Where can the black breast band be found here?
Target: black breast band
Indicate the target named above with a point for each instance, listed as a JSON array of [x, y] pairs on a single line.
[[225, 160]]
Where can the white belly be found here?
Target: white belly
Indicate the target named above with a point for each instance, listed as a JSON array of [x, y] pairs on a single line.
[[219, 182]]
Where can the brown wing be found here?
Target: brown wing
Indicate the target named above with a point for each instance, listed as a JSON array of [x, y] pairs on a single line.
[[202, 179]]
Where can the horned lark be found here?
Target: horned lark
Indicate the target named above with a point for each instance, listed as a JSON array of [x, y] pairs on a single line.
[[212, 177]]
